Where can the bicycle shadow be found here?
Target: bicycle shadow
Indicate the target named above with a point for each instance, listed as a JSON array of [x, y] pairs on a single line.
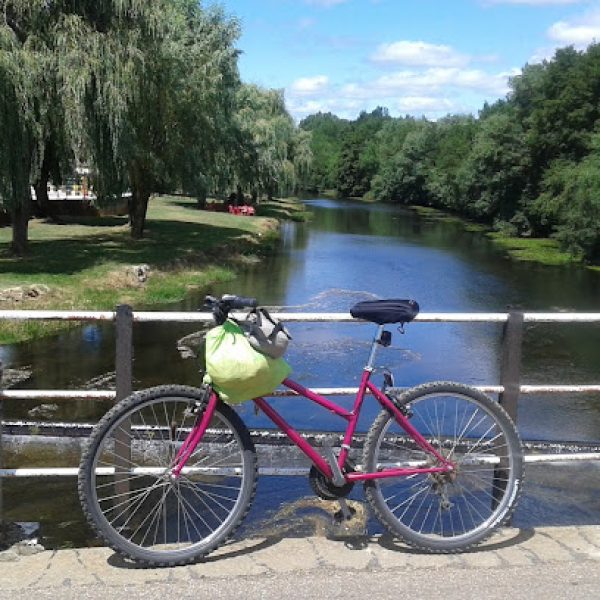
[[517, 537], [308, 518], [232, 550]]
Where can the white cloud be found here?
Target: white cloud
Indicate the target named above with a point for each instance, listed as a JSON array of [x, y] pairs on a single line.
[[309, 85], [432, 92], [416, 104], [428, 79], [432, 107], [435, 79], [343, 107], [542, 54], [579, 32], [419, 53]]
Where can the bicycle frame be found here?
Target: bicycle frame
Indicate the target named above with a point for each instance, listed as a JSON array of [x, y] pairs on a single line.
[[352, 417]]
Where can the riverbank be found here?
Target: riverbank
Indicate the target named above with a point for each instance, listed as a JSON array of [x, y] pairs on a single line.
[[545, 251], [93, 264]]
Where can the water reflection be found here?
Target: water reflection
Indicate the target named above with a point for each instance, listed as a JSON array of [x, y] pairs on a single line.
[[348, 252]]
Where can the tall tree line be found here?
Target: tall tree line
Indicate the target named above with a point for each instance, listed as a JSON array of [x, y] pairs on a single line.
[[528, 164], [147, 93]]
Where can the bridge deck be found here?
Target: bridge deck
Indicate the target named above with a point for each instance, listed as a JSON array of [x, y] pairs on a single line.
[[262, 566]]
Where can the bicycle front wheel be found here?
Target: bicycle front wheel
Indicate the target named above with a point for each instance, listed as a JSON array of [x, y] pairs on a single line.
[[445, 512], [127, 491]]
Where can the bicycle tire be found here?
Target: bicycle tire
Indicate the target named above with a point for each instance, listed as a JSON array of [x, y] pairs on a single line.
[[132, 502], [445, 514]]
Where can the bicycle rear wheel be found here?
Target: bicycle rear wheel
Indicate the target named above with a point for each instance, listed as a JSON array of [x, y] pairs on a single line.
[[445, 512], [129, 496]]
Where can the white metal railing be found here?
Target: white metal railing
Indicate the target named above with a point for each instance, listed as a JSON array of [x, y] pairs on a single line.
[[337, 391], [510, 388], [199, 317]]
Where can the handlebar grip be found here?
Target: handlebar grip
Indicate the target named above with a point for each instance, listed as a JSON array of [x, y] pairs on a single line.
[[241, 302]]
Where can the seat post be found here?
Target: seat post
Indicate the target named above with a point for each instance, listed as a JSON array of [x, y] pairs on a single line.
[[374, 347]]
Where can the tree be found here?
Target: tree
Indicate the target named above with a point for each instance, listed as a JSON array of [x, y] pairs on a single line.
[[569, 205], [273, 150], [351, 179], [453, 139], [358, 161], [495, 174], [28, 85], [327, 133], [302, 156], [557, 103], [403, 177], [579, 226], [142, 89], [161, 99]]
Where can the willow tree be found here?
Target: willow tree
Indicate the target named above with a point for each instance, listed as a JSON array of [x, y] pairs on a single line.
[[26, 72], [279, 153], [160, 98], [46, 49], [302, 157]]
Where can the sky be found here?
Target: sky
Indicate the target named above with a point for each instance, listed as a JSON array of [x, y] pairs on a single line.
[[416, 57]]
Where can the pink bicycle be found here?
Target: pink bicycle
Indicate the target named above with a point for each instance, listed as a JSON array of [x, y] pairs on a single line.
[[170, 472]]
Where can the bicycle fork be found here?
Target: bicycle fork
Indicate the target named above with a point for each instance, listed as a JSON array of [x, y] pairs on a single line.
[[193, 439]]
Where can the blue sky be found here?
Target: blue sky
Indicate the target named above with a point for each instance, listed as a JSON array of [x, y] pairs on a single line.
[[417, 57]]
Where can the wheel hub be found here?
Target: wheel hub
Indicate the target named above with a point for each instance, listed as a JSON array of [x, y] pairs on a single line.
[[439, 486]]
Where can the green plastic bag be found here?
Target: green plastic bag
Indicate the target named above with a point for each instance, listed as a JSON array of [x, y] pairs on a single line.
[[237, 371]]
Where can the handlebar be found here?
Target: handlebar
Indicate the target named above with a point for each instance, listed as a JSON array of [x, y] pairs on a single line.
[[239, 301], [221, 307]]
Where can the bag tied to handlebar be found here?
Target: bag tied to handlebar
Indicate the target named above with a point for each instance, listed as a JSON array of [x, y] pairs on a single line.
[[236, 370]]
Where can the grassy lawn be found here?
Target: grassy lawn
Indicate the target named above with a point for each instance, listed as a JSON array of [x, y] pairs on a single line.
[[86, 263]]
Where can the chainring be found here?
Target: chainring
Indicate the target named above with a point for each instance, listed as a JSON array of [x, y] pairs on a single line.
[[325, 488]]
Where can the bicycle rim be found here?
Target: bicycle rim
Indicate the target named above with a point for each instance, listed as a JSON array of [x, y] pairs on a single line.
[[145, 513], [446, 513]]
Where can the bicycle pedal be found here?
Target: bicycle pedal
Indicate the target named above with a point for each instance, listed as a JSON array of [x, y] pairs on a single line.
[[348, 524], [345, 513], [340, 516]]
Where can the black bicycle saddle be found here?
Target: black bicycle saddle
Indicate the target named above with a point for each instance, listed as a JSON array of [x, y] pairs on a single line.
[[385, 311]]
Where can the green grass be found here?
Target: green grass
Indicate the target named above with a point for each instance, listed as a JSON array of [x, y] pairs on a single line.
[[439, 215], [85, 261], [543, 250], [284, 208]]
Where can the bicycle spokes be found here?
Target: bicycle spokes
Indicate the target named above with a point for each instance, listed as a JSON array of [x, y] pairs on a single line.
[[448, 509], [160, 501]]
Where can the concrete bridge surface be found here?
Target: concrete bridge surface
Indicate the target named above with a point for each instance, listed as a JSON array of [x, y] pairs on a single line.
[[549, 563]]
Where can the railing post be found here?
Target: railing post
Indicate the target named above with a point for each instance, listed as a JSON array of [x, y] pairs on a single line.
[[510, 379], [124, 351], [510, 370], [1, 460], [124, 386]]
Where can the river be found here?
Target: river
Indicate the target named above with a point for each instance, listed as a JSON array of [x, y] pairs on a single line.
[[348, 252]]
